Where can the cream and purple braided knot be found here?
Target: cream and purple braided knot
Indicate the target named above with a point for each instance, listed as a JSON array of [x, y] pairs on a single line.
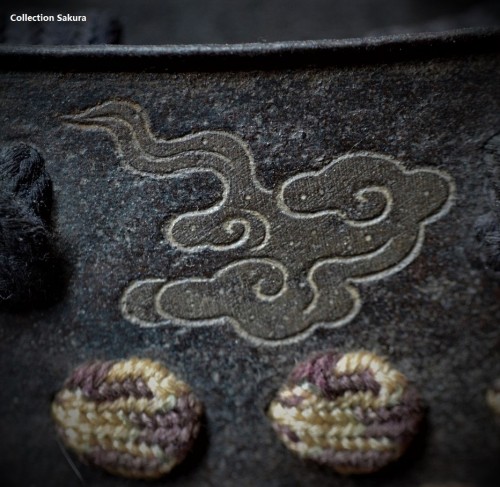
[[493, 397], [132, 417], [352, 412]]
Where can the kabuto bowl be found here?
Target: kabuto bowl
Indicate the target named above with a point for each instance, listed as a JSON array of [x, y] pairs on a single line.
[[228, 210]]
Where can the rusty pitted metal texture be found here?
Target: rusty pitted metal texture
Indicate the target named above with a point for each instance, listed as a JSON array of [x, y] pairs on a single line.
[[229, 210]]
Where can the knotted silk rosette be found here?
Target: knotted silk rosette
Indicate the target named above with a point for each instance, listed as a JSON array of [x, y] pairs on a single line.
[[352, 412], [130, 417]]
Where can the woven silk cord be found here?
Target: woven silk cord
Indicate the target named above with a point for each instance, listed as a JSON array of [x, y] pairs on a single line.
[[352, 412], [130, 417], [493, 397]]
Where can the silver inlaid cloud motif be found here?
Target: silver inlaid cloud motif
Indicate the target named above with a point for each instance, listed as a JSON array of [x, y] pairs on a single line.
[[299, 250]]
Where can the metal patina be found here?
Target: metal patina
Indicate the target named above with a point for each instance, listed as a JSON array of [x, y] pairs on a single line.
[[227, 210]]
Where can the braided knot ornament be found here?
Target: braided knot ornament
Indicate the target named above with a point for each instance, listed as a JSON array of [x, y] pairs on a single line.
[[131, 417], [352, 412], [493, 397]]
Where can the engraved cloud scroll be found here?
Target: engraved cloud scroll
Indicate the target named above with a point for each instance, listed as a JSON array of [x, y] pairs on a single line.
[[298, 250]]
